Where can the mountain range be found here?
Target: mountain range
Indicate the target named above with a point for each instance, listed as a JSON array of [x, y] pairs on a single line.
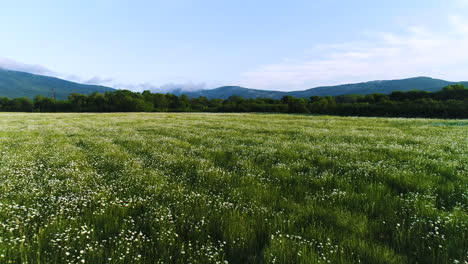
[[15, 84], [385, 87]]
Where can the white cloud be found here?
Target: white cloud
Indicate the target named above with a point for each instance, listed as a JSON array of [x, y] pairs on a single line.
[[461, 2], [184, 85], [459, 25], [385, 55], [96, 80], [165, 88], [9, 64]]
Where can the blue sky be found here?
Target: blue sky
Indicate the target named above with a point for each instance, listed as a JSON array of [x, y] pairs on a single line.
[[280, 45]]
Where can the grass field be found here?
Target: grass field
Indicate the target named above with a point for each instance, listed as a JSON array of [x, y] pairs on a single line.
[[232, 188]]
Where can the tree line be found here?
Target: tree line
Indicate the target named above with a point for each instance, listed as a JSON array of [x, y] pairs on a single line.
[[450, 102]]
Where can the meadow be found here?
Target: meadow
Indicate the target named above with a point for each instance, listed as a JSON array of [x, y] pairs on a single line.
[[232, 188]]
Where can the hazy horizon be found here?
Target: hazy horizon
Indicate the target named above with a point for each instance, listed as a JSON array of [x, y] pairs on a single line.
[[170, 87]]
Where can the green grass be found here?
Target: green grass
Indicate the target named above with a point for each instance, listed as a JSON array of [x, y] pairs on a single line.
[[232, 188]]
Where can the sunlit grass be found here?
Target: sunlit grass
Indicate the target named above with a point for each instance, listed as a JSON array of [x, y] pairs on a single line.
[[232, 188]]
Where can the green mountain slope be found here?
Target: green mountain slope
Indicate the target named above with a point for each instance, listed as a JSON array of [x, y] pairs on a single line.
[[385, 87], [20, 84], [227, 91], [15, 84]]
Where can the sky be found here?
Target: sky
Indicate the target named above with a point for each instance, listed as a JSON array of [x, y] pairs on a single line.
[[289, 45]]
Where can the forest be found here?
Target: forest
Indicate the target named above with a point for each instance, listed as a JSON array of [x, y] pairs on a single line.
[[450, 102]]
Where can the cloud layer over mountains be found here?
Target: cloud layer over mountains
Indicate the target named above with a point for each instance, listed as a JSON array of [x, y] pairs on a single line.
[[9, 64]]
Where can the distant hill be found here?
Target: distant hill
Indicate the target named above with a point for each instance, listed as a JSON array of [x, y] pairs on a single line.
[[385, 87], [15, 84], [227, 91]]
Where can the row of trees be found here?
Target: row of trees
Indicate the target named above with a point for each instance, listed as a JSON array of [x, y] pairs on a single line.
[[450, 102]]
